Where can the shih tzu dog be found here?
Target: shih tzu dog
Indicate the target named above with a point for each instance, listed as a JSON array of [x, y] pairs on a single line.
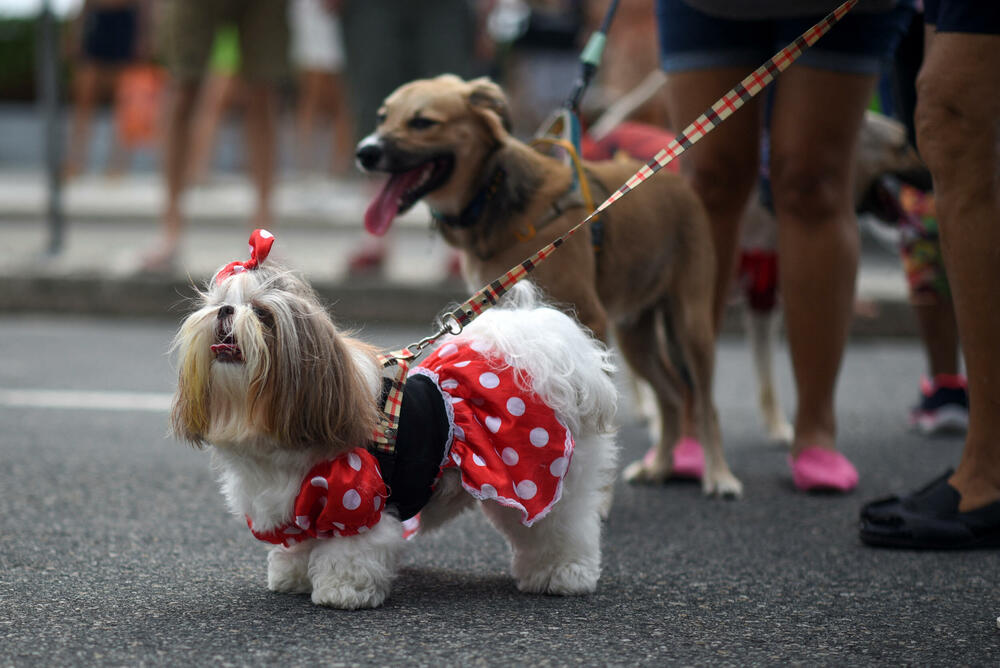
[[514, 414]]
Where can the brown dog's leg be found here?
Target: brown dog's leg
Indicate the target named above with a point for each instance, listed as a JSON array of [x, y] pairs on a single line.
[[638, 341], [694, 336]]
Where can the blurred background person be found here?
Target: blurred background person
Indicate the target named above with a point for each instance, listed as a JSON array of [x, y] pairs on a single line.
[[318, 58], [391, 42], [106, 36], [221, 91], [189, 32]]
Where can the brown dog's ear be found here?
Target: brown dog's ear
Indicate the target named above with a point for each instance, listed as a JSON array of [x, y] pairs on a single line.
[[487, 99]]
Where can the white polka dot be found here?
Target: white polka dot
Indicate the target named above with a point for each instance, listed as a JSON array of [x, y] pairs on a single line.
[[264, 234], [354, 461], [319, 481], [493, 423], [478, 461], [489, 380], [352, 499], [558, 467], [459, 433], [339, 525], [509, 456], [302, 521], [538, 437], [378, 502], [462, 365], [455, 457], [525, 489], [362, 529], [447, 350], [515, 406], [457, 400], [449, 384], [489, 491]]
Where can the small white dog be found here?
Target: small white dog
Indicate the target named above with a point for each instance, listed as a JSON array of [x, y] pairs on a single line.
[[515, 412]]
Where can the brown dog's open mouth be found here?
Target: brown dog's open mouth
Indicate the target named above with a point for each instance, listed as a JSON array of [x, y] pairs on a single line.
[[403, 190]]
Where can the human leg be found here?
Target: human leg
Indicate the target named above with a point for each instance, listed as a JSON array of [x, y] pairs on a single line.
[[261, 131], [814, 129], [958, 113]]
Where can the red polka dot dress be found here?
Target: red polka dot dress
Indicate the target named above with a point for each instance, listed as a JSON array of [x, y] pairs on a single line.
[[509, 446], [341, 497]]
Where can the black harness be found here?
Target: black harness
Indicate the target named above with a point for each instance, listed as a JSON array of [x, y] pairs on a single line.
[[421, 442]]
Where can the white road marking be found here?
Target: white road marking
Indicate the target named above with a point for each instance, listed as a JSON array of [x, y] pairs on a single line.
[[85, 400]]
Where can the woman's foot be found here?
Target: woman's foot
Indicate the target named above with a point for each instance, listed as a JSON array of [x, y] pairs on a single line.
[[817, 469]]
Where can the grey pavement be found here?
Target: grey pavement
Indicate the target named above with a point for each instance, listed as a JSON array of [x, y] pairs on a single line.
[[116, 549], [110, 221]]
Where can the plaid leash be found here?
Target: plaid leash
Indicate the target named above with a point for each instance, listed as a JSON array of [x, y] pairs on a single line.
[[488, 296]]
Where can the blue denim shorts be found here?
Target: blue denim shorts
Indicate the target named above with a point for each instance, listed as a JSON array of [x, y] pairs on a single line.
[[973, 16], [861, 43]]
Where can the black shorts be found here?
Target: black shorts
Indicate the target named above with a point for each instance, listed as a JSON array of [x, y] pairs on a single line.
[[975, 16], [109, 35]]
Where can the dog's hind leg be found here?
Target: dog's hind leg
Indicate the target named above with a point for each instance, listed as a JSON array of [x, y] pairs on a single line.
[[695, 337], [762, 331], [640, 343], [561, 552]]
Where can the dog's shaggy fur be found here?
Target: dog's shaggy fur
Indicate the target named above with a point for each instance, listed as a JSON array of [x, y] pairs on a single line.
[[283, 390], [650, 282]]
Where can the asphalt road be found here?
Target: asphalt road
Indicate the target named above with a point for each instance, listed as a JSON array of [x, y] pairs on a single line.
[[115, 547]]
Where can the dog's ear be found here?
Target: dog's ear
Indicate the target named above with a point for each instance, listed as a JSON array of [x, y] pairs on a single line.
[[316, 393], [487, 99]]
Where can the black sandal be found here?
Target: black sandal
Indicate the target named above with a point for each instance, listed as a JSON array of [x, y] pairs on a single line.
[[929, 520]]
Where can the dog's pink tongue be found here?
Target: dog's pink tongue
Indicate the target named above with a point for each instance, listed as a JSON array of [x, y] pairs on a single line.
[[385, 206]]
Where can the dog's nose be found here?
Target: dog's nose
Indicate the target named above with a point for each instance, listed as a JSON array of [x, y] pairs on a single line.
[[369, 154], [225, 311]]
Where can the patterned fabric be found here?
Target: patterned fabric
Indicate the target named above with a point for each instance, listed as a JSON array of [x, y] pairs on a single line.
[[920, 246], [341, 497], [508, 445]]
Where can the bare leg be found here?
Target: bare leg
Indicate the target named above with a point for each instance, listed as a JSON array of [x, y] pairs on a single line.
[[261, 128], [176, 156], [939, 333], [310, 97], [723, 166], [343, 126], [86, 83], [958, 129], [817, 115], [215, 97]]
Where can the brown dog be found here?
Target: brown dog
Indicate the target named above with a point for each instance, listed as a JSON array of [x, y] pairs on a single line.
[[648, 278]]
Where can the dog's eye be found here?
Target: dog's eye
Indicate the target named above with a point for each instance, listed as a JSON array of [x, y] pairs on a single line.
[[380, 118], [421, 123], [263, 315]]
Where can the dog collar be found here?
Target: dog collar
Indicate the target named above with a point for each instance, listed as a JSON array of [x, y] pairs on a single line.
[[260, 246], [474, 209]]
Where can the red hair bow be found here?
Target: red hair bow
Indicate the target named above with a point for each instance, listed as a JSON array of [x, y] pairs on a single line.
[[260, 245]]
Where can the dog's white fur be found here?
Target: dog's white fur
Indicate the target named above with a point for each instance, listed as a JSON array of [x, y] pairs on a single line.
[[262, 458]]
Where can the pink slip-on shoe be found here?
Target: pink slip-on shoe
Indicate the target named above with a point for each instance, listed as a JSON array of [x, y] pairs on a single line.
[[689, 459], [818, 469]]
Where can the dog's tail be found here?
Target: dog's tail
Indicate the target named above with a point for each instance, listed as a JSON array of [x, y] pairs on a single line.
[[569, 368]]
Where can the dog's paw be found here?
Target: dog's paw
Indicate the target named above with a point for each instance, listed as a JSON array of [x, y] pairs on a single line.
[[568, 579], [724, 485], [334, 593], [781, 432], [646, 470], [287, 573]]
